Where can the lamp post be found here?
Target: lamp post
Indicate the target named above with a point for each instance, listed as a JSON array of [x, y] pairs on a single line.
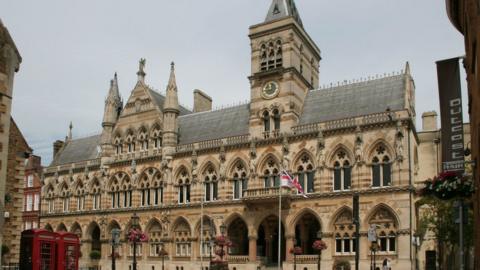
[[223, 229], [115, 242], [135, 224], [163, 253], [319, 237], [372, 238], [373, 249]]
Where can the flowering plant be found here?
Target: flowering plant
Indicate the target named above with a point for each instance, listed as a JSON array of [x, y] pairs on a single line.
[[136, 235], [296, 251], [319, 245], [448, 185], [222, 241]]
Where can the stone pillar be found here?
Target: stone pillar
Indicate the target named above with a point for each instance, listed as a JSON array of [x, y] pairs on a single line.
[[290, 243], [252, 248]]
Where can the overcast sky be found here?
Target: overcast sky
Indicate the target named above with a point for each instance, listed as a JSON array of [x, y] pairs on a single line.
[[71, 50]]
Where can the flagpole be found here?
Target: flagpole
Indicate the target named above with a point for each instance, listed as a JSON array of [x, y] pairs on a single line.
[[280, 224]]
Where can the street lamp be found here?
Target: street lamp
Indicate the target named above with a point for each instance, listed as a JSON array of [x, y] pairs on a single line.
[[135, 224], [319, 237], [115, 243]]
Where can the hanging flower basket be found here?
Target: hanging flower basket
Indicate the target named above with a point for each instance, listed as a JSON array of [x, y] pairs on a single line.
[[296, 251], [136, 235], [319, 245], [448, 185]]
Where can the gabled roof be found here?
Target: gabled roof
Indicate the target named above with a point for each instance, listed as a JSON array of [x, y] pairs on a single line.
[[78, 150], [159, 99], [355, 99], [283, 8]]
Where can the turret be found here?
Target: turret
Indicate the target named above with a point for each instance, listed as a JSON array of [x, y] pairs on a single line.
[[113, 107], [170, 113]]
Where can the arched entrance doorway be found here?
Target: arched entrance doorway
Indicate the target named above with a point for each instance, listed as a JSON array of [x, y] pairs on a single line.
[[306, 230], [94, 233], [238, 234], [267, 241]]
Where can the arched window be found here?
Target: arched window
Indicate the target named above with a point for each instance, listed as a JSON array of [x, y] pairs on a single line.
[[154, 238], [157, 138], [151, 187], [240, 183], [205, 245], [65, 195], [130, 143], [80, 196], [118, 145], [182, 238], [276, 119], [266, 121], [183, 187], [306, 174], [143, 140], [342, 172], [210, 184], [386, 225], [381, 168], [50, 198], [157, 189], [271, 177], [121, 191], [96, 195], [344, 234], [271, 55]]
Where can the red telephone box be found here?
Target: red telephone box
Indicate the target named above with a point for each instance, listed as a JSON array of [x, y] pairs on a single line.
[[37, 250], [68, 247]]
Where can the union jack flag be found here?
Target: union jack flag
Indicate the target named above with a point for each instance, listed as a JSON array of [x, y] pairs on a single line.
[[288, 181]]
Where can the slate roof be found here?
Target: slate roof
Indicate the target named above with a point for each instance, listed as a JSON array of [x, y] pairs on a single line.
[[78, 150], [281, 9], [322, 105], [354, 100], [213, 125], [160, 100]]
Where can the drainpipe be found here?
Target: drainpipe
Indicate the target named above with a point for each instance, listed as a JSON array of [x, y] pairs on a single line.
[[410, 193]]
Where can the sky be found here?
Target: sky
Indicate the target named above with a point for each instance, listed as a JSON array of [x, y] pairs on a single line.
[[72, 48]]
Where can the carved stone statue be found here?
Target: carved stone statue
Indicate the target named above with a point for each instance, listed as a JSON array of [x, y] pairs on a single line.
[[222, 169], [165, 220], [253, 165], [285, 145], [399, 142], [166, 169], [358, 145], [141, 65], [194, 165], [286, 162], [320, 149]]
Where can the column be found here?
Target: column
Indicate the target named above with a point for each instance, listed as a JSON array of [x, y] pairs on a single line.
[[252, 248], [290, 242]]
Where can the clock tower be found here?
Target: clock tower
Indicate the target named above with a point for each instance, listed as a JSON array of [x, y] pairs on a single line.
[[285, 66]]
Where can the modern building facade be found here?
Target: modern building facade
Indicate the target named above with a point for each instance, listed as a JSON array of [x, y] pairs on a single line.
[[465, 16], [186, 173]]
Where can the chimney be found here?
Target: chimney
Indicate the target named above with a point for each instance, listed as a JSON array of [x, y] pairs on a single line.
[[201, 101], [57, 146], [429, 121]]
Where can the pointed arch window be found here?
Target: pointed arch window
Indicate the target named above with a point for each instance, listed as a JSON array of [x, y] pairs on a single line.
[[342, 172], [344, 234], [271, 177], [65, 195], [306, 174], [386, 225], [271, 55], [96, 196], [80, 197], [276, 119], [210, 185], [157, 139], [50, 200], [143, 139], [240, 183], [266, 121], [118, 146], [183, 188], [381, 168]]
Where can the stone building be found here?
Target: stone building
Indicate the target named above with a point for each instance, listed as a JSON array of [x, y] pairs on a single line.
[[18, 151], [31, 192], [186, 173], [9, 64], [465, 16]]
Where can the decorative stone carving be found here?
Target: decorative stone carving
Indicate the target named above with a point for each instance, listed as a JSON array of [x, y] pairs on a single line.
[[253, 158], [222, 169], [194, 161], [285, 145], [165, 220], [358, 145], [166, 169], [133, 170], [399, 142], [320, 149]]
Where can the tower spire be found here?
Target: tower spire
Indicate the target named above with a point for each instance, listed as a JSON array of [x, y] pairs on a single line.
[[171, 101], [281, 9]]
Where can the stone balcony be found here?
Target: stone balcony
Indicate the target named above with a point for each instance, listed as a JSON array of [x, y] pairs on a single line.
[[262, 195]]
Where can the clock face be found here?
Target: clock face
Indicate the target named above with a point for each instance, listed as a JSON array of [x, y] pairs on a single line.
[[270, 90]]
